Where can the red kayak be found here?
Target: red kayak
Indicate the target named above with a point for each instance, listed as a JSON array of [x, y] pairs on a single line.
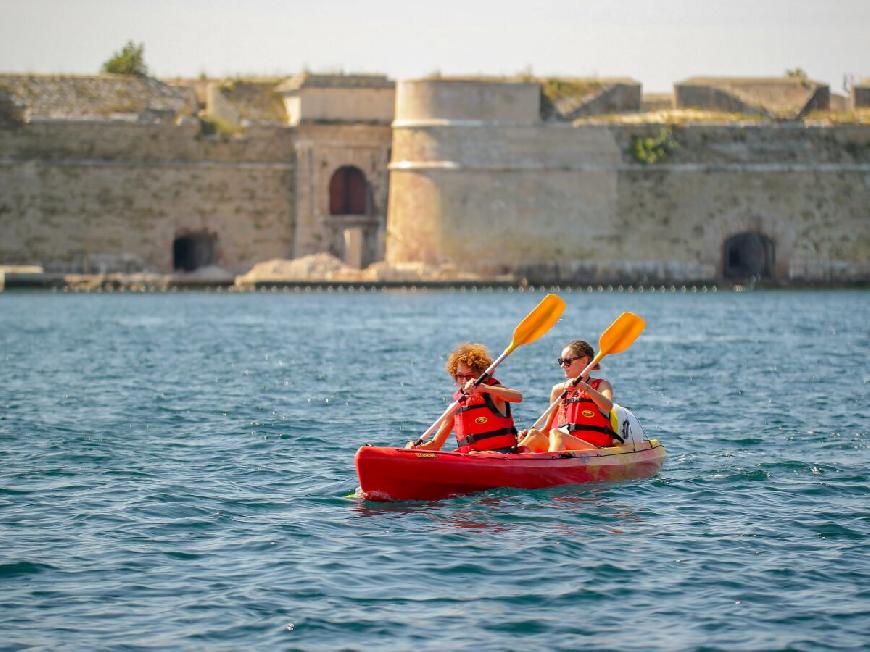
[[414, 474]]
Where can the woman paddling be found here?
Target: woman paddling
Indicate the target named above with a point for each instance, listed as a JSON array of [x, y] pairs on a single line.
[[483, 421], [583, 419]]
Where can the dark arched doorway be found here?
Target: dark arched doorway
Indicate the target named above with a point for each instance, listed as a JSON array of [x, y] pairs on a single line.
[[748, 255], [192, 251], [349, 192], [352, 223]]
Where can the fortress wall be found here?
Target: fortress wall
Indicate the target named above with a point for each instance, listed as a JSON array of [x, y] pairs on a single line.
[[677, 221], [572, 204], [112, 196], [805, 188]]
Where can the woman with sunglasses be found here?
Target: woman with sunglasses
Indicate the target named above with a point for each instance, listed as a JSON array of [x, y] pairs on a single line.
[[483, 421], [582, 419]]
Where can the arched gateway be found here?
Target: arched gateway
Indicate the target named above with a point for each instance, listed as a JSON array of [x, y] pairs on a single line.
[[349, 192], [353, 225], [191, 251]]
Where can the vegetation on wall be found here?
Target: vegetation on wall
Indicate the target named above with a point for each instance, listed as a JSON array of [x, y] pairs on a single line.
[[130, 60], [653, 149], [214, 126]]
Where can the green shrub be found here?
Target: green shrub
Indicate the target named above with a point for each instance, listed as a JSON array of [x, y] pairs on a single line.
[[214, 126], [129, 61], [653, 149]]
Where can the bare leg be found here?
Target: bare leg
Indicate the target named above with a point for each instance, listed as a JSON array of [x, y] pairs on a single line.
[[535, 440], [562, 441]]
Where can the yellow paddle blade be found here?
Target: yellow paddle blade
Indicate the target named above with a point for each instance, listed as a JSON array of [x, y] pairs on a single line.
[[620, 334], [539, 321]]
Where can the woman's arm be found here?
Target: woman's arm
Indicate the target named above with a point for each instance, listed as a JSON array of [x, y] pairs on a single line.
[[440, 437], [602, 397]]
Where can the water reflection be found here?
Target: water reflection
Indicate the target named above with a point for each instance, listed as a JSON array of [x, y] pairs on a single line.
[[566, 511]]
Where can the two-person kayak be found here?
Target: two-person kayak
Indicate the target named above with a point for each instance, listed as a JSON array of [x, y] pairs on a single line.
[[413, 474]]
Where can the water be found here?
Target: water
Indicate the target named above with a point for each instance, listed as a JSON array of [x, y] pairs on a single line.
[[173, 473]]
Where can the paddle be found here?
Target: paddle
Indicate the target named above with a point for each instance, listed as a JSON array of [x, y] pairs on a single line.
[[617, 338], [535, 324]]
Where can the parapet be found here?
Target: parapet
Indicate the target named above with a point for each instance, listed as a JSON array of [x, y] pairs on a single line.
[[313, 98], [445, 100], [246, 101], [68, 97], [778, 98], [567, 98]]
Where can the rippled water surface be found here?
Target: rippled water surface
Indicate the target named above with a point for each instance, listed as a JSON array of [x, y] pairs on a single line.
[[174, 472]]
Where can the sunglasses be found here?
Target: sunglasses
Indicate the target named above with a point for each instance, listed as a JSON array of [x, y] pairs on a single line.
[[464, 376], [564, 362]]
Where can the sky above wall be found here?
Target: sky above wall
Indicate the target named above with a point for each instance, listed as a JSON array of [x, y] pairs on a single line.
[[656, 42]]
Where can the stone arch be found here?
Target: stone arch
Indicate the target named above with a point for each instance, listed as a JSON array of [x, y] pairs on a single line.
[[349, 192], [775, 230], [748, 255], [352, 224], [193, 250]]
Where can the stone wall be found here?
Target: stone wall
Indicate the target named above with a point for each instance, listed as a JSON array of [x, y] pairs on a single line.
[[90, 196], [552, 201], [476, 179]]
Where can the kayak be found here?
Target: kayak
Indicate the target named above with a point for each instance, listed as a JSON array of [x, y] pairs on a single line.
[[413, 474]]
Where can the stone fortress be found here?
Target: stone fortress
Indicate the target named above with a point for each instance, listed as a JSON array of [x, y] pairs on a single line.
[[569, 181]]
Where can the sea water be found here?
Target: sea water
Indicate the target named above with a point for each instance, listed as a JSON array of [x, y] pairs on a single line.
[[174, 473]]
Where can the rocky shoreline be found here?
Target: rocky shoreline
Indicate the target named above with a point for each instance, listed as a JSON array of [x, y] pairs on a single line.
[[325, 272]]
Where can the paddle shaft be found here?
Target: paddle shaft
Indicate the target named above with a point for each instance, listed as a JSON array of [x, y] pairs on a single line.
[[452, 407]]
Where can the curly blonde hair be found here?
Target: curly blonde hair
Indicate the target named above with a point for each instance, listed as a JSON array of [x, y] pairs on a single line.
[[474, 355]]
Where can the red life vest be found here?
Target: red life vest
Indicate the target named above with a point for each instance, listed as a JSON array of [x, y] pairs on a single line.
[[478, 424], [584, 419]]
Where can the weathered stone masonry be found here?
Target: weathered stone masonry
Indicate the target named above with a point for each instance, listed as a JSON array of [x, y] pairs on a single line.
[[502, 191], [114, 196], [471, 173]]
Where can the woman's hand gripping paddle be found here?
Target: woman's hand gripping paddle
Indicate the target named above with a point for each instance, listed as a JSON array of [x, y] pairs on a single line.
[[617, 338], [535, 324]]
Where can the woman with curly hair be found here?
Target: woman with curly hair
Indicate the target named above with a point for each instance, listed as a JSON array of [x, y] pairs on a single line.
[[483, 421]]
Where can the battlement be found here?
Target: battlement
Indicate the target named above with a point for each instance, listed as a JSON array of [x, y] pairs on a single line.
[[246, 102], [100, 97], [311, 98], [788, 98], [313, 80]]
